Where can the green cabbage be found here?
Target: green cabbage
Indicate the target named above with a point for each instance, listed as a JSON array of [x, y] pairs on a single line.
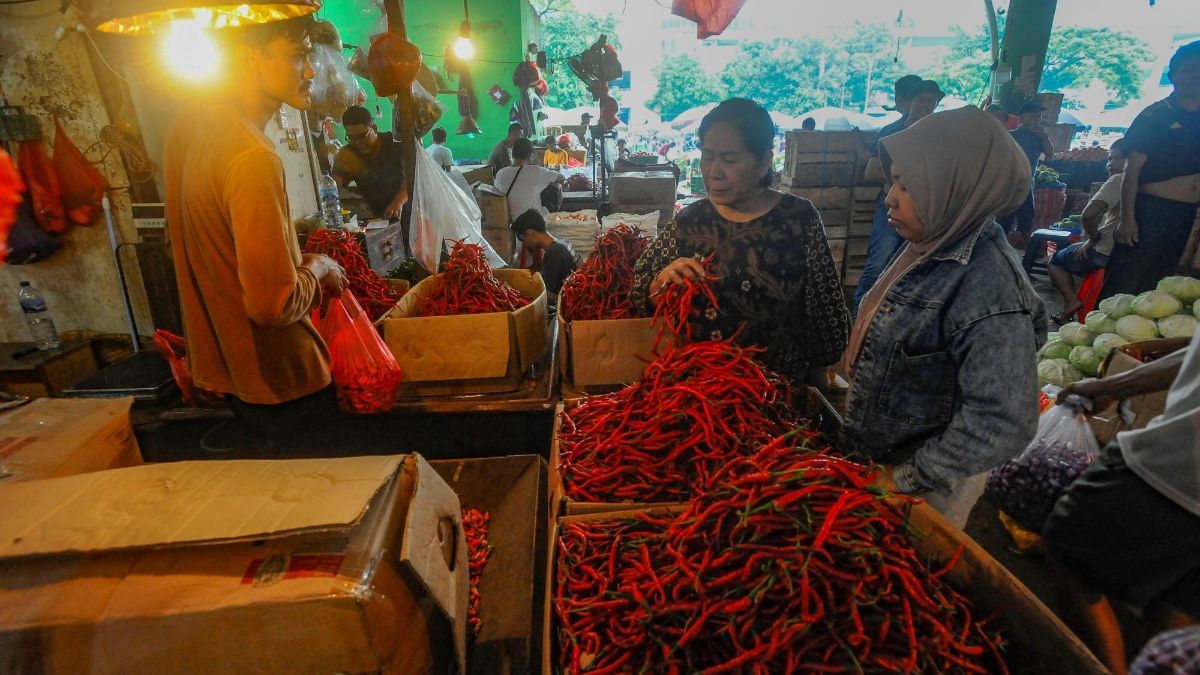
[[1196, 309], [1136, 328], [1057, 372], [1085, 360], [1118, 305], [1186, 289], [1098, 322], [1076, 334], [1177, 326], [1108, 342], [1156, 305], [1055, 349]]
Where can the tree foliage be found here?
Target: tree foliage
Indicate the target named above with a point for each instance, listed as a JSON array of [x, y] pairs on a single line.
[[683, 84], [566, 33]]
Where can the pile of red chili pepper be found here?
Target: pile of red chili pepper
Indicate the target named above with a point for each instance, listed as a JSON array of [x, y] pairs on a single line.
[[695, 408], [678, 304], [467, 285], [372, 290], [599, 289], [786, 562], [475, 528]]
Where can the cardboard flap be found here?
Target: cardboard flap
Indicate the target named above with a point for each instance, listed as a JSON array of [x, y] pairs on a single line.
[[187, 503]]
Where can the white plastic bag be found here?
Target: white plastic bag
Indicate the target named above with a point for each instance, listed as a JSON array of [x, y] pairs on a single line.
[[334, 87], [442, 214]]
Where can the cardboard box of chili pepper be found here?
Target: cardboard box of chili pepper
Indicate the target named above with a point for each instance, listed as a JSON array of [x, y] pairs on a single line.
[[52, 437], [1139, 409], [467, 354], [811, 403], [512, 492], [604, 355], [1035, 636], [311, 565]]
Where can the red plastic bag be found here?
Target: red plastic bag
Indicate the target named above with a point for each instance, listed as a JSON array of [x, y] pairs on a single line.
[[44, 188], [393, 62], [11, 187], [364, 370], [174, 349], [712, 17], [82, 184]]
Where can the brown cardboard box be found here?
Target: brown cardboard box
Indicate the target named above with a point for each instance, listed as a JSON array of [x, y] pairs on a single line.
[[493, 205], [476, 353], [52, 437], [305, 566], [641, 187], [604, 354], [485, 174], [502, 240], [1033, 630], [1144, 407], [512, 491]]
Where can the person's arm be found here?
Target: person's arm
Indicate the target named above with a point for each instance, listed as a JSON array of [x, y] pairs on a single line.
[[1127, 231], [1047, 146], [661, 252], [997, 416], [1157, 375], [275, 291], [1093, 215]]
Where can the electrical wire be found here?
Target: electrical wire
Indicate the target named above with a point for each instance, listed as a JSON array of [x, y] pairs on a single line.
[[138, 165], [96, 48], [18, 2]]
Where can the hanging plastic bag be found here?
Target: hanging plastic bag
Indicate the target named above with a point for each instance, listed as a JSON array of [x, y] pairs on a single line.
[[365, 372], [393, 62], [11, 187], [442, 213], [173, 349], [428, 110], [44, 189], [82, 184], [1027, 486], [27, 241], [334, 87]]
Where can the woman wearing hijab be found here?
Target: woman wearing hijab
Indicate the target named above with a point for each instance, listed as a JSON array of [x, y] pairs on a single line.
[[943, 350], [776, 287]]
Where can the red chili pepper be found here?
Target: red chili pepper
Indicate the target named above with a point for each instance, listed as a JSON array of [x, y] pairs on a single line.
[[371, 290], [467, 285], [678, 305], [599, 288], [475, 529]]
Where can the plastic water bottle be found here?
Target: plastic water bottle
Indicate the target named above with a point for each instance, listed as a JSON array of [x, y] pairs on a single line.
[[41, 324], [331, 205]]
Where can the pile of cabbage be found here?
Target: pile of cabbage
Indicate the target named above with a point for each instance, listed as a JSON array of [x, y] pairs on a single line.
[[1077, 350]]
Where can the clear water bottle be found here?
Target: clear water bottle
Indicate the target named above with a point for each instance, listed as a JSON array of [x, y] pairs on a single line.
[[41, 324], [331, 205]]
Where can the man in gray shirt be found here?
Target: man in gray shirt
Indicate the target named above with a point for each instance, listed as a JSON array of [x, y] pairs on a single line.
[[559, 258], [501, 156]]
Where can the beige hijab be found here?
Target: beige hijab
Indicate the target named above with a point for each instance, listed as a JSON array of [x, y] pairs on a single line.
[[962, 169]]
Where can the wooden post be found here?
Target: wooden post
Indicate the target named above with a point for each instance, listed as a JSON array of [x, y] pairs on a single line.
[[405, 112]]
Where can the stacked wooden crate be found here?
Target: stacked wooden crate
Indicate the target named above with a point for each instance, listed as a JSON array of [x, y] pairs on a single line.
[[826, 168]]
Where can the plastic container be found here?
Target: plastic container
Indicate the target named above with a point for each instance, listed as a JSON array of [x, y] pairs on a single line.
[[331, 204], [41, 324]]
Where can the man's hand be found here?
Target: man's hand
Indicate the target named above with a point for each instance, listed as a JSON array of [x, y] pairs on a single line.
[[1099, 391], [1127, 232], [328, 273], [393, 210]]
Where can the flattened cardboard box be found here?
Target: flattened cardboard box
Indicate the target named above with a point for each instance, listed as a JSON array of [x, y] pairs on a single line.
[[53, 437], [643, 187], [605, 353], [475, 353], [1032, 627], [301, 566]]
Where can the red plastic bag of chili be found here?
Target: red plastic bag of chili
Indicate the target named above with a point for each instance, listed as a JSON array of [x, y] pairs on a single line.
[[173, 349], [11, 187], [393, 62], [44, 189], [82, 184], [365, 372]]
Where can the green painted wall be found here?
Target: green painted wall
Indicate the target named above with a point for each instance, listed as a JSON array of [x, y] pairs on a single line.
[[500, 31]]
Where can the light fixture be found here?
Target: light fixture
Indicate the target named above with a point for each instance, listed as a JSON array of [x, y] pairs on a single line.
[[143, 17], [189, 50], [463, 48]]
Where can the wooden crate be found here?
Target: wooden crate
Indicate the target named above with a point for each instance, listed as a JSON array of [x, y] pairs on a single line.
[[854, 261], [824, 197], [828, 173], [826, 143]]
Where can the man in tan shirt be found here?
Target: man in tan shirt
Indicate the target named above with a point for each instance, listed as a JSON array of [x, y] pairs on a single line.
[[245, 288]]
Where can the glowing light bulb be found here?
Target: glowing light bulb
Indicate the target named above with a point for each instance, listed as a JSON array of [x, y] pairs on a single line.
[[464, 49], [189, 50]]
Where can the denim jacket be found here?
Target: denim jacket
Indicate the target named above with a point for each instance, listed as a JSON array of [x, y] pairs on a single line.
[[946, 384]]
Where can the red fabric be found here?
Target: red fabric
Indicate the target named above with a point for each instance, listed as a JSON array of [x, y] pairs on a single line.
[[44, 188], [1048, 206], [712, 17], [11, 187], [82, 184], [1089, 292], [393, 62]]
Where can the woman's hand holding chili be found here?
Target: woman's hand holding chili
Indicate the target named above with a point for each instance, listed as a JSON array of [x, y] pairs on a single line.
[[677, 272]]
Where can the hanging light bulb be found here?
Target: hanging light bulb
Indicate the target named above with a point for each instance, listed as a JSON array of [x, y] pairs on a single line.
[[463, 48], [189, 50], [141, 17]]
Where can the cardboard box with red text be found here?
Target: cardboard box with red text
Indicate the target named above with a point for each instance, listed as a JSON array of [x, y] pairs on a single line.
[[52, 437]]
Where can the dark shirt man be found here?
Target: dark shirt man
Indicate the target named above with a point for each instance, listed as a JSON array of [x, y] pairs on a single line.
[[1032, 139], [501, 156], [373, 162], [559, 258]]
